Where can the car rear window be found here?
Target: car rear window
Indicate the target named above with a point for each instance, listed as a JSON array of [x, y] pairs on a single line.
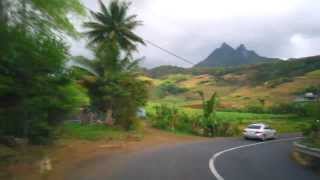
[[254, 127]]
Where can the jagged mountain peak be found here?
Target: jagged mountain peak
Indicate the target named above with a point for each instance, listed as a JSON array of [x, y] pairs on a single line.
[[242, 47], [225, 45], [225, 55]]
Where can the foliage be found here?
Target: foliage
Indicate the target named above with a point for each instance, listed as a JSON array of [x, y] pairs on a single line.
[[212, 125], [255, 108], [284, 69], [313, 88], [38, 15], [163, 71], [114, 87], [301, 109], [169, 117], [277, 82], [114, 25], [312, 134], [176, 78], [36, 90], [274, 72], [169, 87], [284, 123]]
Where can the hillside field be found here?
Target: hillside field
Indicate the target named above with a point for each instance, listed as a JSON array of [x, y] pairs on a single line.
[[272, 84]]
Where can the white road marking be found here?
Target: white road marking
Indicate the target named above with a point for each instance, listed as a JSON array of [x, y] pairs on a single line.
[[215, 156]]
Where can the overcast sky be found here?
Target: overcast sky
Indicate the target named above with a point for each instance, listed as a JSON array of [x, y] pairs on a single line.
[[194, 28]]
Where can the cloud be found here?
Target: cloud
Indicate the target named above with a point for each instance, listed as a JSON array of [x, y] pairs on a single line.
[[193, 29]]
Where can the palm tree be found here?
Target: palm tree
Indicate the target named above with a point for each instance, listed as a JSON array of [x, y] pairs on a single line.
[[107, 62], [114, 25], [105, 70]]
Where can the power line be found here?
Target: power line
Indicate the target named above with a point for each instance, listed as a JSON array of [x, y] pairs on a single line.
[[169, 52], [163, 49]]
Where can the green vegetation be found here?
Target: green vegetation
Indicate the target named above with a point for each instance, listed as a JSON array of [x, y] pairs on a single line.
[[276, 72], [113, 84], [162, 71], [41, 16], [37, 91], [92, 132], [312, 88], [188, 120], [169, 88], [312, 134], [114, 26]]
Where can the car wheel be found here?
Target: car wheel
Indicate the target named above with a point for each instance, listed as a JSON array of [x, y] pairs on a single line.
[[264, 137]]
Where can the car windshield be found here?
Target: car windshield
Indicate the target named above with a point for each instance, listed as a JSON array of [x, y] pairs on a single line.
[[254, 127]]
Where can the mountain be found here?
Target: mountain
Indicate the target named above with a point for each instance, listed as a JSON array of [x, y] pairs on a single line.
[[227, 56]]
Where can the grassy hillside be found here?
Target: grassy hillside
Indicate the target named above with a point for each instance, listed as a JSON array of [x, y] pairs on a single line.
[[239, 87]]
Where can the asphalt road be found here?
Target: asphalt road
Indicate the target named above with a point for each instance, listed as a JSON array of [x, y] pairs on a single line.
[[269, 161]]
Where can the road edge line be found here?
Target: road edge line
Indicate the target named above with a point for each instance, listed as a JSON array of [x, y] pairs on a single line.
[[216, 155]]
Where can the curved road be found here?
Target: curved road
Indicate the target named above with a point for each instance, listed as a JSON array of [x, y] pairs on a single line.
[[265, 161]]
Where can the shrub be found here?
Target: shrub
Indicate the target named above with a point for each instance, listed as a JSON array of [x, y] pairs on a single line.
[[300, 109], [277, 82], [169, 88], [255, 109], [171, 118], [314, 89], [165, 117]]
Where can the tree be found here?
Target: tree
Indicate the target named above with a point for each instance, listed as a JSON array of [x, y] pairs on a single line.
[[114, 26], [38, 15], [114, 89], [113, 85], [36, 91]]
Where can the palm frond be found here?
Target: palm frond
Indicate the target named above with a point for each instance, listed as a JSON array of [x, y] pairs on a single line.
[[114, 25], [104, 9], [85, 64], [134, 65]]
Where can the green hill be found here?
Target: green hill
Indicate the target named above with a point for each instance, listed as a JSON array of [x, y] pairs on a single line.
[[239, 87]]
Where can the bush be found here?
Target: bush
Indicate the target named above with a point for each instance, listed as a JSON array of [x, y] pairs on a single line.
[[169, 117], [277, 82], [165, 117], [255, 109], [314, 89], [169, 88]]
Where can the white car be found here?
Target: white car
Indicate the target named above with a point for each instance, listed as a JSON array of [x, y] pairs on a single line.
[[259, 131]]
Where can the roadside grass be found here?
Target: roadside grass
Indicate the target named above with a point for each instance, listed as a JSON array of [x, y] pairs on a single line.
[[93, 132]]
